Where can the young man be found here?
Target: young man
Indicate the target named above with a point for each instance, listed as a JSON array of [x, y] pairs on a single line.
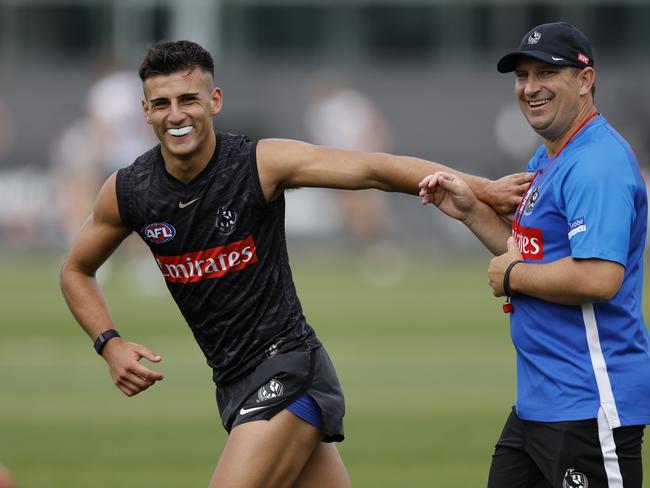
[[574, 269], [211, 208]]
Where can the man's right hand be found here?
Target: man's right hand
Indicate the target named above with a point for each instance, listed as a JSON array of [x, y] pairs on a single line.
[[504, 194], [128, 374]]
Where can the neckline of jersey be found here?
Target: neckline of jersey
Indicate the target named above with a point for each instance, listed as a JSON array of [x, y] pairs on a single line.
[[171, 178], [594, 120]]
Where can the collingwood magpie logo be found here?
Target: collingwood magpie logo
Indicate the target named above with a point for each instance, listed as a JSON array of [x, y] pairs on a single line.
[[574, 479], [532, 201], [273, 349], [534, 37], [226, 220], [272, 389]]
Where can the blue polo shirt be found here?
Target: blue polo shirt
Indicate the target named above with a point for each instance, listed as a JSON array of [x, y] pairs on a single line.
[[590, 203]]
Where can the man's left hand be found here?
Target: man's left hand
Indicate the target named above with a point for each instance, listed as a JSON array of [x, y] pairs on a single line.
[[498, 267]]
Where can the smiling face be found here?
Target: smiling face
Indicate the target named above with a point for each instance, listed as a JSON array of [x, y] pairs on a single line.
[[553, 98], [180, 106]]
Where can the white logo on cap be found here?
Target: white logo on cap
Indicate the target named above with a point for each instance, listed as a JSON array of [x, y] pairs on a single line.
[[557, 59], [534, 38]]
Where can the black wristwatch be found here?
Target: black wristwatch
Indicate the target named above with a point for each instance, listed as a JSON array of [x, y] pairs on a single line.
[[103, 338]]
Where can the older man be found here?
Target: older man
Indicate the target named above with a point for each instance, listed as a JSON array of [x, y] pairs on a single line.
[[571, 266]]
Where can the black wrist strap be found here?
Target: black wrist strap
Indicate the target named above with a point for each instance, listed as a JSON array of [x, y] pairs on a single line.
[[103, 338], [506, 277]]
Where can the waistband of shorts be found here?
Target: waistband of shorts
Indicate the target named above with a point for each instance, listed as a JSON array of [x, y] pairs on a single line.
[[301, 346]]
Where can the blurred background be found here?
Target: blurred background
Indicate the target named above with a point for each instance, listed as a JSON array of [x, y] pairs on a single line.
[[396, 291], [413, 77]]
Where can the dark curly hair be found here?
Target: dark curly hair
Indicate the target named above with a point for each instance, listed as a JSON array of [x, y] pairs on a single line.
[[165, 57]]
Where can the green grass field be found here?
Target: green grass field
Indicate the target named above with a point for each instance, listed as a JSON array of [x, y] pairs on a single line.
[[427, 367]]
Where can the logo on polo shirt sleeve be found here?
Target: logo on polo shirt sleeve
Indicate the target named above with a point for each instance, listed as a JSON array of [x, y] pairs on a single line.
[[576, 226]]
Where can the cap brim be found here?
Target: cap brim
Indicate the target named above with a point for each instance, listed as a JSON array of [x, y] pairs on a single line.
[[508, 63]]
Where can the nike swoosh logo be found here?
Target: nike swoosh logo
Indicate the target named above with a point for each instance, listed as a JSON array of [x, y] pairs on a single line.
[[244, 411], [183, 205], [557, 59]]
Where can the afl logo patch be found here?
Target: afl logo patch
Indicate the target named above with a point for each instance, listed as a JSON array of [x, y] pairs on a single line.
[[530, 205], [159, 232], [226, 220], [272, 389]]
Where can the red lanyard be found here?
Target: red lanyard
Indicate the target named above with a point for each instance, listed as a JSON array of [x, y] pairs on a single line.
[[516, 222], [527, 194]]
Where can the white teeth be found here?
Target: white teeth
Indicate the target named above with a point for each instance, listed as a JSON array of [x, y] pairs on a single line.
[[181, 131], [538, 103]]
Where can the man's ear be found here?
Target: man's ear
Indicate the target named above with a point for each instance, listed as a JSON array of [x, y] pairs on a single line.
[[216, 100], [145, 110], [587, 80]]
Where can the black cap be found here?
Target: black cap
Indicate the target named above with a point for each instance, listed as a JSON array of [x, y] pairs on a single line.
[[558, 43]]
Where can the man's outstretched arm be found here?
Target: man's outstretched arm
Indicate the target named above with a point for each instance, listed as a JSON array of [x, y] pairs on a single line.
[[100, 235], [284, 164]]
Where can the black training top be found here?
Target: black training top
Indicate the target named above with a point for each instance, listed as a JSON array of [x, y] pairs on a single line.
[[222, 251]]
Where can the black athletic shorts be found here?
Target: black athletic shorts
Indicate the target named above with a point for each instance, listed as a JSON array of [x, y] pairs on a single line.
[[277, 382], [572, 454]]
